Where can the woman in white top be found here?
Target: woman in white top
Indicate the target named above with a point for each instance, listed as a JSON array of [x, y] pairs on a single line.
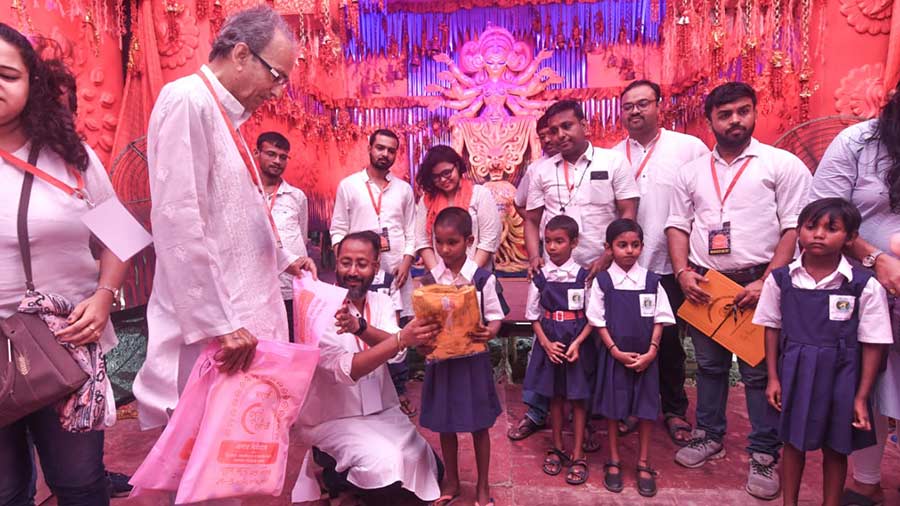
[[441, 179], [33, 113]]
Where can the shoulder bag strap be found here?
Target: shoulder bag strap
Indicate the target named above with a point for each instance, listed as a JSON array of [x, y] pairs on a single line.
[[22, 229]]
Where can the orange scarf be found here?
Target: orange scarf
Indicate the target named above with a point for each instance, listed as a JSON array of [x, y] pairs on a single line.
[[439, 202]]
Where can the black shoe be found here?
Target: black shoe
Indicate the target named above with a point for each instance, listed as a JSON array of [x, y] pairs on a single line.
[[118, 484]]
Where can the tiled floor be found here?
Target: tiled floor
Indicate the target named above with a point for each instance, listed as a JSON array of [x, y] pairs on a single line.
[[517, 479]]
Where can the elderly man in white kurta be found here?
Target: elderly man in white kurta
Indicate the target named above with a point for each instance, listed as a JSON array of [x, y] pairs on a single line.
[[217, 255], [352, 416]]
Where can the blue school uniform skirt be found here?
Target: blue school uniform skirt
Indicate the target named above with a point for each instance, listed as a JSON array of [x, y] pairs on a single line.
[[819, 365], [573, 381], [459, 395], [621, 392]]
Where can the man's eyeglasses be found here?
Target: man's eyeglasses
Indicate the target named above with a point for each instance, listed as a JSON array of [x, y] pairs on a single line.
[[640, 105], [277, 76]]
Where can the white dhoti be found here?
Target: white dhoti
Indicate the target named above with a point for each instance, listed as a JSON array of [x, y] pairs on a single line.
[[376, 451]]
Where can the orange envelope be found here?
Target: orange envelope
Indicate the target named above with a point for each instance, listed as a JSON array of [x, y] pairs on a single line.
[[724, 322]]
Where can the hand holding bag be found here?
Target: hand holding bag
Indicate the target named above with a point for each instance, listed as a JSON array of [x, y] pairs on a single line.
[[35, 370]]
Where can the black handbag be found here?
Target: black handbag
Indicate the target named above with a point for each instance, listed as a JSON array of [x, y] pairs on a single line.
[[35, 370]]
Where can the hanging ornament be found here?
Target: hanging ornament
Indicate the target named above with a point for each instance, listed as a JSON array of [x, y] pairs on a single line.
[[25, 23], [576, 33], [93, 31], [777, 60], [173, 12], [717, 36], [599, 26], [682, 29], [748, 53], [560, 36], [202, 9], [806, 71], [654, 11]]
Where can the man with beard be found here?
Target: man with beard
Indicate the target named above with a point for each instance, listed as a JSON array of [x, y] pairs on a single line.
[[365, 444], [655, 154], [722, 212], [592, 185], [287, 204], [373, 199]]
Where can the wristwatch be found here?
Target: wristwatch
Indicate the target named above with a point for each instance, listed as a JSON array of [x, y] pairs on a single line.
[[869, 260], [362, 326]]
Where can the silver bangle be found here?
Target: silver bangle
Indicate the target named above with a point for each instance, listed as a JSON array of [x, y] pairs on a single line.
[[114, 292], [399, 343]]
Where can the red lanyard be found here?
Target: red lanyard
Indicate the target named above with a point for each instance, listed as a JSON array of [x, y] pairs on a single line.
[[646, 158], [712, 168], [566, 172], [274, 196], [77, 192], [242, 149], [360, 345], [377, 205]]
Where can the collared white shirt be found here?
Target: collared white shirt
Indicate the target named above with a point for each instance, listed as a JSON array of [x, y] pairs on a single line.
[[291, 214], [521, 197], [486, 223], [765, 201], [632, 279], [334, 393], [565, 273], [874, 316], [355, 212], [598, 179], [670, 150], [443, 276]]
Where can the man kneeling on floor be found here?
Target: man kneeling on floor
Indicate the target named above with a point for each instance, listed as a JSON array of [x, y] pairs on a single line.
[[365, 446]]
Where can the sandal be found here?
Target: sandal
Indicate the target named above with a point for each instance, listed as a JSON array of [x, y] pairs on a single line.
[[853, 498], [676, 424], [524, 429], [578, 472], [554, 461], [646, 486], [628, 425], [613, 482], [591, 443], [407, 408]]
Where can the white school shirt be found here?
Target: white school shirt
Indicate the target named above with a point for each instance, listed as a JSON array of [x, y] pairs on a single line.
[[633, 279], [291, 214], [333, 393], [599, 178], [354, 212], [217, 261], [443, 276], [486, 223], [874, 317], [765, 201], [565, 273], [671, 150]]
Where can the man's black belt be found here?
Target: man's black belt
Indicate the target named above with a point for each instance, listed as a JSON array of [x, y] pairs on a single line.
[[740, 276]]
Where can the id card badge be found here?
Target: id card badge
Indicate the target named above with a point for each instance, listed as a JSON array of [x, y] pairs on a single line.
[[385, 240], [576, 299], [648, 305], [117, 229], [720, 239], [840, 307]]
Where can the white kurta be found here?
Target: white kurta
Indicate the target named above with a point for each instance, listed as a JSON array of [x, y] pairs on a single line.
[[359, 423], [217, 262], [290, 210]]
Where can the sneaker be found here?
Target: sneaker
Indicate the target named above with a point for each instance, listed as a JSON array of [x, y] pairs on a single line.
[[699, 449], [118, 484], [763, 481]]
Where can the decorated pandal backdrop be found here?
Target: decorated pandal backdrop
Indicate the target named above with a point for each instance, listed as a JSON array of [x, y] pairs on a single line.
[[475, 74]]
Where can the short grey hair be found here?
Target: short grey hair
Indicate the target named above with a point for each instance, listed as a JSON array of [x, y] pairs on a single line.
[[254, 27]]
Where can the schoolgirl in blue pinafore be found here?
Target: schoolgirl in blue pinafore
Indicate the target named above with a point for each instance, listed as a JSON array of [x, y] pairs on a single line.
[[458, 394], [570, 380], [819, 365], [621, 392]]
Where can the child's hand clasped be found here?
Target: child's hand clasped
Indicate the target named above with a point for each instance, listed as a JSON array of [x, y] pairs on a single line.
[[572, 352], [555, 350], [861, 414], [773, 393], [625, 357], [642, 361], [481, 334]]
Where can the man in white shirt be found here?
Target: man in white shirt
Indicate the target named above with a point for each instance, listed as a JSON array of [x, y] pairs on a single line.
[[521, 198], [655, 154], [287, 204], [735, 211], [592, 185], [352, 419], [217, 254]]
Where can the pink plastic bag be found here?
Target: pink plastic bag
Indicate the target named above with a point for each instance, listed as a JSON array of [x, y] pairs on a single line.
[[239, 447]]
